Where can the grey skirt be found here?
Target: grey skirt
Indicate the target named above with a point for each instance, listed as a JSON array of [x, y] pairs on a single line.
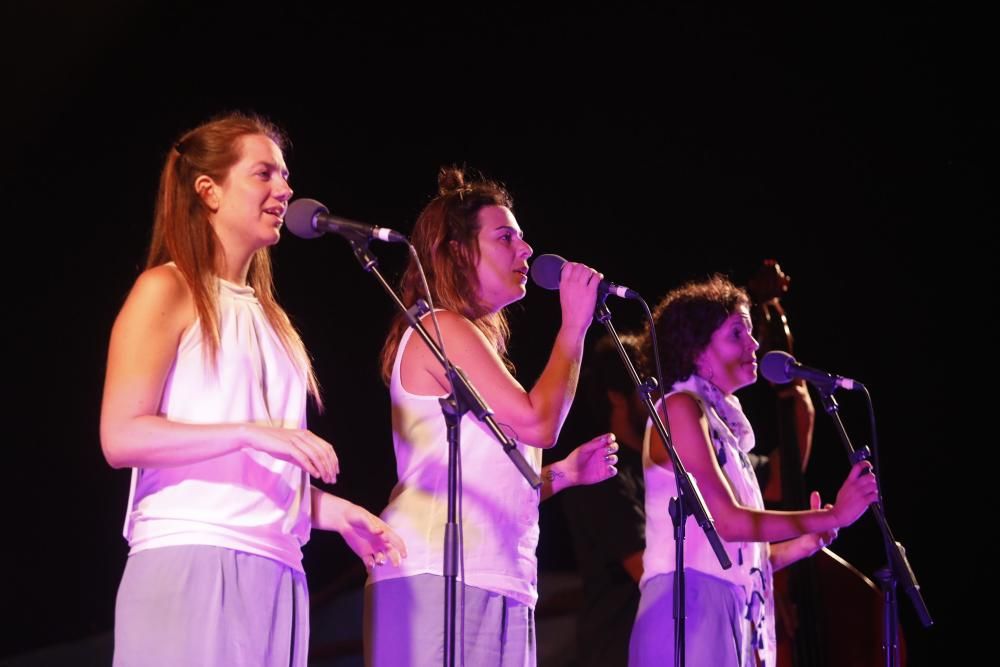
[[203, 605], [718, 632], [404, 625]]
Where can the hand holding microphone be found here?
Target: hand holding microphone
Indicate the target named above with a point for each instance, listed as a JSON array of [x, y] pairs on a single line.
[[552, 272], [546, 271]]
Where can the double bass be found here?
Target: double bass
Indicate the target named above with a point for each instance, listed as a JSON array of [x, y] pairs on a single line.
[[828, 614]]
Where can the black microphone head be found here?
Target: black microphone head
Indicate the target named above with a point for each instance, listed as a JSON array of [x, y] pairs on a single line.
[[774, 366], [299, 217], [545, 271]]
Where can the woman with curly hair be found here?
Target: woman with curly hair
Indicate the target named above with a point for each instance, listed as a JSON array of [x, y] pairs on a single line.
[[704, 331]]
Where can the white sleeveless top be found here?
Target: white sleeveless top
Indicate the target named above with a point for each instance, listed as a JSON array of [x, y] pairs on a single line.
[[732, 438], [499, 510], [246, 500]]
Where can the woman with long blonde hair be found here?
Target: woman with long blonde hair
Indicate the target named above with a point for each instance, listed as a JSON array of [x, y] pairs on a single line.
[[205, 399]]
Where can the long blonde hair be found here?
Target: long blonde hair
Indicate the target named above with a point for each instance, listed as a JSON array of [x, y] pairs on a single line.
[[182, 233]]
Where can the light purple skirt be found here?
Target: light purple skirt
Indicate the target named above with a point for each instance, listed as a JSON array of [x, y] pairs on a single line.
[[404, 625], [203, 605], [718, 632]]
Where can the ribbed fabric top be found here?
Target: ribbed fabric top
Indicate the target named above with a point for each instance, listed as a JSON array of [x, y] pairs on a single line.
[[246, 500]]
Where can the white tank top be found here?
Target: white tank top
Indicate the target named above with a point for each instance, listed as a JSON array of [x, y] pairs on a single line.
[[732, 438], [246, 500], [499, 508]]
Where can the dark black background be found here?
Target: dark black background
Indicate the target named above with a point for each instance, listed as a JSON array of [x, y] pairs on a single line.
[[657, 143]]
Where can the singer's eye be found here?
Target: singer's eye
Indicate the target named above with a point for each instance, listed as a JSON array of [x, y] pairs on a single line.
[[506, 238]]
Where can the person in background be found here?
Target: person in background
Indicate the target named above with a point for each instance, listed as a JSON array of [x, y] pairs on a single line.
[[608, 521]]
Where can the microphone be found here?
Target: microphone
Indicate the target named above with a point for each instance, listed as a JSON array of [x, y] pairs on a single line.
[[307, 218], [546, 269], [780, 367]]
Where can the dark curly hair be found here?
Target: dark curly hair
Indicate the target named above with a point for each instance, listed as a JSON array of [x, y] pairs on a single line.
[[687, 317]]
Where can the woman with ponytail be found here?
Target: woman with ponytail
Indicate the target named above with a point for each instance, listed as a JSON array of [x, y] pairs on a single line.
[[205, 399], [476, 260]]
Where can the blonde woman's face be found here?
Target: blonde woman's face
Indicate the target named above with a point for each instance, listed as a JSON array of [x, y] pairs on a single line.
[[254, 196]]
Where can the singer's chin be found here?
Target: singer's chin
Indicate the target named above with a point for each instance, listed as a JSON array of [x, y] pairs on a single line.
[[516, 295], [271, 239]]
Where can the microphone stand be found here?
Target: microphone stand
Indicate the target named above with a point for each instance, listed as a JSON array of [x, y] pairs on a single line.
[[898, 569], [463, 398], [688, 501]]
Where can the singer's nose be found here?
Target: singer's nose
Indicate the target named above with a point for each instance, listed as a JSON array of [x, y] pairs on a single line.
[[283, 192], [526, 250]]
